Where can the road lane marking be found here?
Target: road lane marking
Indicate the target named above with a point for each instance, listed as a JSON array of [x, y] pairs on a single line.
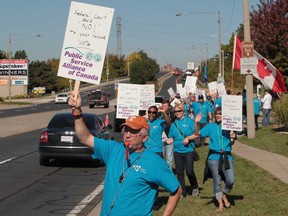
[[83, 203], [8, 160]]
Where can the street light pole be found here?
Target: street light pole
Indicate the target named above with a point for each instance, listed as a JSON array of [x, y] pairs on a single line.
[[107, 68], [9, 58]]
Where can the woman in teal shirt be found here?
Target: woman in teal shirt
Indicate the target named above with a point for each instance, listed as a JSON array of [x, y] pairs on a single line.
[[220, 161]]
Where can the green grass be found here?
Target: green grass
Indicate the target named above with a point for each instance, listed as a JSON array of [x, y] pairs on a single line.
[[269, 139], [256, 192]]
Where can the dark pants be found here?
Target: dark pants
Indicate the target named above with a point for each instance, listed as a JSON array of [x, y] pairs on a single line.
[[256, 122], [185, 161], [200, 140]]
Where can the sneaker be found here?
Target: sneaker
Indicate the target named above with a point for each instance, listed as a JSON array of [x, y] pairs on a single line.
[[195, 192]]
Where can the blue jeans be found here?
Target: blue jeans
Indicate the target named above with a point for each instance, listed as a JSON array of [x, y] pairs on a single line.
[[168, 151], [266, 117], [229, 176], [185, 161]]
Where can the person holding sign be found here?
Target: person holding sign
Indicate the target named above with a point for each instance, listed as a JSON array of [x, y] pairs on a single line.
[[133, 173], [219, 162]]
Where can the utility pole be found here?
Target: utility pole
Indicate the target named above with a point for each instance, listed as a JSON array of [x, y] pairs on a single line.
[[107, 67], [249, 77], [219, 44], [9, 58]]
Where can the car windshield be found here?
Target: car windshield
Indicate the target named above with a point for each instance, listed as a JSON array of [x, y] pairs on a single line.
[[97, 94], [62, 95], [67, 121]]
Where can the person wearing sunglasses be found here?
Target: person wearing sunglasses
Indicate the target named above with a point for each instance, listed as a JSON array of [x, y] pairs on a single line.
[[133, 173], [219, 162], [180, 131], [157, 127]]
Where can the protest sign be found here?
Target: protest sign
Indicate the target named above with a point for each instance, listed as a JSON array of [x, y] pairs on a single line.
[[190, 84], [232, 112], [212, 87], [132, 98], [171, 92], [85, 42], [221, 89]]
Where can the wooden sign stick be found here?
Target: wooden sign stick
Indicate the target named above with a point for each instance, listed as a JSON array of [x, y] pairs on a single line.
[[76, 88]]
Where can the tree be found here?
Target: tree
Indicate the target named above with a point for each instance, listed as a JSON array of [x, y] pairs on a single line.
[[20, 54], [143, 69], [3, 54], [269, 31]]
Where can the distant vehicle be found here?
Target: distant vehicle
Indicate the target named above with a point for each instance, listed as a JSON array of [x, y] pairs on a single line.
[[187, 73], [98, 97], [59, 140], [158, 100], [61, 98], [39, 90], [176, 72]]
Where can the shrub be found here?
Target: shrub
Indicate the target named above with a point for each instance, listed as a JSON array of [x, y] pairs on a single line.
[[280, 108]]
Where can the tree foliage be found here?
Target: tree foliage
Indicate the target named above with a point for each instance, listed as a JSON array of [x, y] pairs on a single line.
[[269, 31], [20, 54], [143, 69]]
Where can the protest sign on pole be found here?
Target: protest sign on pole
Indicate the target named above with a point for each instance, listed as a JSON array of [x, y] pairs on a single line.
[[212, 87], [85, 43], [232, 112]]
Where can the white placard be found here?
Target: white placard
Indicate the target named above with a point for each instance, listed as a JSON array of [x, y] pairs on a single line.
[[171, 92], [221, 89], [147, 96], [132, 98], [175, 101], [190, 83], [212, 87], [85, 42], [232, 112]]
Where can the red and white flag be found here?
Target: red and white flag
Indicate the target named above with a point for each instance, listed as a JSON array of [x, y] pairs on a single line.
[[269, 76]]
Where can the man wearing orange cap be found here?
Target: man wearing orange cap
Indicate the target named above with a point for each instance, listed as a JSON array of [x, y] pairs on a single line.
[[133, 173]]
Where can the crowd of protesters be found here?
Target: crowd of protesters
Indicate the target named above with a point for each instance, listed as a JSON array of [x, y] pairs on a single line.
[[137, 167]]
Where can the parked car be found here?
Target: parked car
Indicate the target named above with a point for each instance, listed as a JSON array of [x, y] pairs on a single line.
[[98, 97], [61, 98], [59, 140]]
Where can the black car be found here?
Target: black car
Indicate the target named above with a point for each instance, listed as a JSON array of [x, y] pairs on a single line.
[[58, 139]]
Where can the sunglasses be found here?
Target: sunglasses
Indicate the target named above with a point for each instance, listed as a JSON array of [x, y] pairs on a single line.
[[130, 130], [177, 111], [152, 112]]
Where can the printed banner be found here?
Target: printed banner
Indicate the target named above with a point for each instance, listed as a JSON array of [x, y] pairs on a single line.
[[232, 112]]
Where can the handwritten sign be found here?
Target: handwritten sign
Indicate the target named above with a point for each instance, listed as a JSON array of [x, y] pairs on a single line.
[[190, 84], [221, 89], [212, 87], [232, 112], [132, 98], [85, 42]]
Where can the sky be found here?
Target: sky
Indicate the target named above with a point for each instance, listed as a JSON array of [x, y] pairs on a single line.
[[150, 25]]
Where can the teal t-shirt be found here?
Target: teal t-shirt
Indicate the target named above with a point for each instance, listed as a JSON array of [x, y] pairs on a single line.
[[186, 126], [219, 139], [154, 141], [146, 170], [204, 109]]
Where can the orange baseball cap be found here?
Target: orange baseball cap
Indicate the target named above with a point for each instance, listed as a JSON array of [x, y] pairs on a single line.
[[136, 123]]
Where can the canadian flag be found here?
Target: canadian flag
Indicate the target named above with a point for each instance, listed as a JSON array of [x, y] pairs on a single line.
[[269, 76]]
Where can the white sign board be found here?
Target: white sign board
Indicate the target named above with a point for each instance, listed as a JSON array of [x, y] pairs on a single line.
[[212, 87], [171, 92], [85, 42], [190, 84], [232, 112], [221, 89], [190, 65], [248, 65], [132, 98]]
